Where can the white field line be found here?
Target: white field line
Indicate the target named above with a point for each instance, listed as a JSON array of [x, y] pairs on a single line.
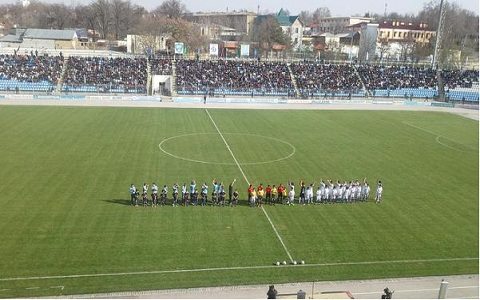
[[438, 136], [248, 182], [408, 261], [419, 290]]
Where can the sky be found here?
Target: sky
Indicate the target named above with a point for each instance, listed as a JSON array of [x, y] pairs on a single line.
[[337, 7]]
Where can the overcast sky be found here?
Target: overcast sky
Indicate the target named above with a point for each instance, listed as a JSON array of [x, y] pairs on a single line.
[[337, 7]]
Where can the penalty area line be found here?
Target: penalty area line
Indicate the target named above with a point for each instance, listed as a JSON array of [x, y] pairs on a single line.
[[409, 261], [248, 182]]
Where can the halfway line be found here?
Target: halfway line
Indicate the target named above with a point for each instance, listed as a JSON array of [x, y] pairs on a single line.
[[248, 182]]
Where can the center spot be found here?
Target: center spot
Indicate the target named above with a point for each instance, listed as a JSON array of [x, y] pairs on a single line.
[[209, 148]]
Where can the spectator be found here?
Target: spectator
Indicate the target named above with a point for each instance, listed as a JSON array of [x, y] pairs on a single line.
[[272, 292]]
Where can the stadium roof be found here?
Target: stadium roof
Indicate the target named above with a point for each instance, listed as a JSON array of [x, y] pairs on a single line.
[[50, 34]]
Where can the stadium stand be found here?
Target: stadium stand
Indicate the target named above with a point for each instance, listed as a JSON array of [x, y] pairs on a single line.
[[34, 73], [233, 78], [397, 77], [29, 72], [161, 66], [100, 74], [315, 79]]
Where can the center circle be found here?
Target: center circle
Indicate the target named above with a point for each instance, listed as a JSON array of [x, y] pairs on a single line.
[[250, 136]]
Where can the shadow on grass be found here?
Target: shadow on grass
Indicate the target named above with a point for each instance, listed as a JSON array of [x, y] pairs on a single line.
[[119, 201]]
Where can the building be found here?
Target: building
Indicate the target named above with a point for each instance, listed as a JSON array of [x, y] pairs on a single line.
[[291, 26], [46, 38], [341, 43], [401, 32], [338, 24], [13, 38], [242, 22], [146, 44], [216, 32]]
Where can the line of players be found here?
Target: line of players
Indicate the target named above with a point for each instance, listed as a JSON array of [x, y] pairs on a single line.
[[327, 192], [185, 195]]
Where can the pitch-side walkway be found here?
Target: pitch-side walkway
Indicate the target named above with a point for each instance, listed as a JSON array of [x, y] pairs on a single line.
[[459, 287], [468, 113]]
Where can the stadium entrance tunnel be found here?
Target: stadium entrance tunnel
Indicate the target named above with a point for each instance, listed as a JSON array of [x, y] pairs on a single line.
[[209, 148]]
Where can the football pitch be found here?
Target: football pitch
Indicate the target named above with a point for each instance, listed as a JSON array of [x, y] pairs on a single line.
[[67, 226]]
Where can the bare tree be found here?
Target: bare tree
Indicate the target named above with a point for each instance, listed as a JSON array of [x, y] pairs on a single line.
[[102, 12], [321, 12], [172, 9], [306, 17], [267, 32], [58, 16], [384, 48], [85, 17], [460, 31]]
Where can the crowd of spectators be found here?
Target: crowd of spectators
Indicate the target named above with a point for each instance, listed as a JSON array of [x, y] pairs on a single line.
[[216, 76], [30, 68], [161, 66], [460, 78], [315, 78], [107, 74], [397, 77], [254, 77], [400, 77]]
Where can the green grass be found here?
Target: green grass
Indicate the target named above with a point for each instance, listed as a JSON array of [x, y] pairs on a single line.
[[65, 174]]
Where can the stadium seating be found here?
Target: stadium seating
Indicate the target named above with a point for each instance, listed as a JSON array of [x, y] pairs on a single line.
[[161, 66], [233, 78], [29, 72], [106, 75], [316, 79]]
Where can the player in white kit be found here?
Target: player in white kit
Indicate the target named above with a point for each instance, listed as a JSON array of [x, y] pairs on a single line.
[[319, 195], [378, 194]]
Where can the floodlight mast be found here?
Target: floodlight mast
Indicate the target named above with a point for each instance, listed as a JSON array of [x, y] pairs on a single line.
[[438, 41], [438, 44]]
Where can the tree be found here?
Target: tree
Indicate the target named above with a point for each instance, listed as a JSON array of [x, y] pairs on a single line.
[[384, 48], [124, 17], [172, 9], [58, 16], [85, 17], [177, 30], [306, 17], [319, 13], [102, 12], [267, 32], [460, 29]]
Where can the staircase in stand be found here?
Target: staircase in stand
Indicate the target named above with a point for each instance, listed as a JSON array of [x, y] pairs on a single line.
[[361, 80], [58, 88], [149, 78], [294, 81], [174, 78]]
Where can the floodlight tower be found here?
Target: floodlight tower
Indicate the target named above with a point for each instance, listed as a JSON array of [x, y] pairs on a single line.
[[438, 42]]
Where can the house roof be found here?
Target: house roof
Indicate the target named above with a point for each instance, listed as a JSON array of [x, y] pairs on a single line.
[[50, 34], [284, 19], [11, 38]]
